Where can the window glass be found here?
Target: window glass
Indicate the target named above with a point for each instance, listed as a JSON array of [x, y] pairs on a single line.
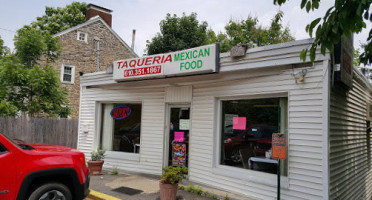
[[82, 36], [67, 74], [246, 132], [121, 127], [2, 148]]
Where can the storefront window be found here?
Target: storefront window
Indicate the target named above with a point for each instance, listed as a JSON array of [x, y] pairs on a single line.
[[121, 127], [247, 128]]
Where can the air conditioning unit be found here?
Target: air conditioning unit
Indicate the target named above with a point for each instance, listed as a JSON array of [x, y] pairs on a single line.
[[369, 111]]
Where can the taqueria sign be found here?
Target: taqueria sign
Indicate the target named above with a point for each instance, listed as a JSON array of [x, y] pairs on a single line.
[[202, 59]]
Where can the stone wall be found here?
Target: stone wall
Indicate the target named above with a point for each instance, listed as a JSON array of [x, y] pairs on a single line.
[[82, 55]]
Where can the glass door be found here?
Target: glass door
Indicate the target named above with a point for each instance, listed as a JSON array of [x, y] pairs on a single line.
[[179, 130]]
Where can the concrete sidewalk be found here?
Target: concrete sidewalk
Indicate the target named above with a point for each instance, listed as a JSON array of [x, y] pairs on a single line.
[[140, 187]]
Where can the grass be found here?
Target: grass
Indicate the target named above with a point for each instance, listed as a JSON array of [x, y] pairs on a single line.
[[199, 191], [115, 171]]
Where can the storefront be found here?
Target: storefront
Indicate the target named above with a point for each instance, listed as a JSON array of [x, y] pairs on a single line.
[[216, 114]]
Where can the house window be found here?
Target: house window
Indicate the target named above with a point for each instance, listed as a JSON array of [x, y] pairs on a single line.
[[246, 133], [67, 74], [82, 36], [121, 127]]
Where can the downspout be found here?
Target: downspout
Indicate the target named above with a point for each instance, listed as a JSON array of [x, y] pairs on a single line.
[[97, 52]]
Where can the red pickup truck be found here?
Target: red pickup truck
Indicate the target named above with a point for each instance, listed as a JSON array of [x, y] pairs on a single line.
[[38, 172]]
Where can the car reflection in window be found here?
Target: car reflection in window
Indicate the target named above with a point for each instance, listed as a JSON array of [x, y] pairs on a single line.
[[256, 137]]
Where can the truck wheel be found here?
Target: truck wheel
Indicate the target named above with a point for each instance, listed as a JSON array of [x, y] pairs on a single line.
[[51, 191]]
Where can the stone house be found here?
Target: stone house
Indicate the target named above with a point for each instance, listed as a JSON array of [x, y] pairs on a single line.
[[88, 47]]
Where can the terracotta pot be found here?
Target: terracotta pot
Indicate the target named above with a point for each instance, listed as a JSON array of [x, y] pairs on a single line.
[[95, 167], [168, 191]]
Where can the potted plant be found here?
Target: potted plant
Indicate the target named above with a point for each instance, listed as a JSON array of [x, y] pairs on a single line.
[[96, 162], [169, 181]]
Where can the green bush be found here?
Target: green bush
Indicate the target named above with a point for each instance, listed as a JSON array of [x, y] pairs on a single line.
[[173, 175]]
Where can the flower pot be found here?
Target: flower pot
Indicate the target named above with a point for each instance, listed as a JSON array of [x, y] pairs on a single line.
[[95, 167], [168, 191]]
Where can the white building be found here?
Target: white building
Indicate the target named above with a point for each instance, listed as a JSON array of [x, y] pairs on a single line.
[[237, 103]]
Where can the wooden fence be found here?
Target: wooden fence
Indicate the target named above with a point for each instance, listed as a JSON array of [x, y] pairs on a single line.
[[61, 132]]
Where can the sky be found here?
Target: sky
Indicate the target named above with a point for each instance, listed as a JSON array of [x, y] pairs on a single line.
[[145, 15]]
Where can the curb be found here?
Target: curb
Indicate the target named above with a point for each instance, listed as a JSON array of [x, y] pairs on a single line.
[[100, 196]]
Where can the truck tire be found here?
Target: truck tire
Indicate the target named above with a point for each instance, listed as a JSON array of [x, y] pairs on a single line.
[[51, 191]]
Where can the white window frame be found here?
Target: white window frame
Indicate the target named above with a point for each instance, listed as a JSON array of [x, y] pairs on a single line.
[[238, 173], [85, 38], [72, 74], [116, 155]]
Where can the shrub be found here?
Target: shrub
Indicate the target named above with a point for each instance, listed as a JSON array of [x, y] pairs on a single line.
[[98, 155], [173, 175]]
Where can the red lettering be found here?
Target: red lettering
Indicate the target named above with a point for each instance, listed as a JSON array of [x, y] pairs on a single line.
[[169, 58], [156, 59], [119, 64], [115, 113], [132, 63], [162, 59], [148, 61], [138, 63], [125, 64]]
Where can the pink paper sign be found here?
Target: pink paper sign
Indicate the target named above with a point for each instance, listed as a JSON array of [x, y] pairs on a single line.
[[239, 123], [179, 136]]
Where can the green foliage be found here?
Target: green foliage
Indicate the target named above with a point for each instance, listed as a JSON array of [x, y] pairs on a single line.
[[186, 32], [343, 19], [178, 33], [180, 187], [173, 175], [98, 155], [31, 45], [30, 89], [7, 109], [196, 190], [58, 19], [356, 59], [115, 171], [199, 191], [249, 32], [226, 197], [3, 49], [27, 87]]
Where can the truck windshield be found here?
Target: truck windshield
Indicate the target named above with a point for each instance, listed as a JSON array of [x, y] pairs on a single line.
[[18, 143]]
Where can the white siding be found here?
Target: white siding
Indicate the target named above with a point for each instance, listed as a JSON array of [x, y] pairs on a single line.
[[178, 94], [241, 78], [350, 167], [305, 104], [150, 159]]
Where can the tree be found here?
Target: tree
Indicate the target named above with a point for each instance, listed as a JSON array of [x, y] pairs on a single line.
[[186, 32], [33, 89], [31, 45], [26, 86], [58, 19], [343, 19], [249, 32], [177, 33], [3, 49]]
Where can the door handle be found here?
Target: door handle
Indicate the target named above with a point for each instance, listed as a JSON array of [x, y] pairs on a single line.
[[4, 192]]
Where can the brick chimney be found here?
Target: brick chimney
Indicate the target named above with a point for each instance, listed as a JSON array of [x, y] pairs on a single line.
[[104, 13]]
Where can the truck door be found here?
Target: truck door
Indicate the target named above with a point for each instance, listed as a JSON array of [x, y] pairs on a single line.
[[7, 174]]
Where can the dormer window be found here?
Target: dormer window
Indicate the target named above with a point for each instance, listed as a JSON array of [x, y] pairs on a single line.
[[81, 36]]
